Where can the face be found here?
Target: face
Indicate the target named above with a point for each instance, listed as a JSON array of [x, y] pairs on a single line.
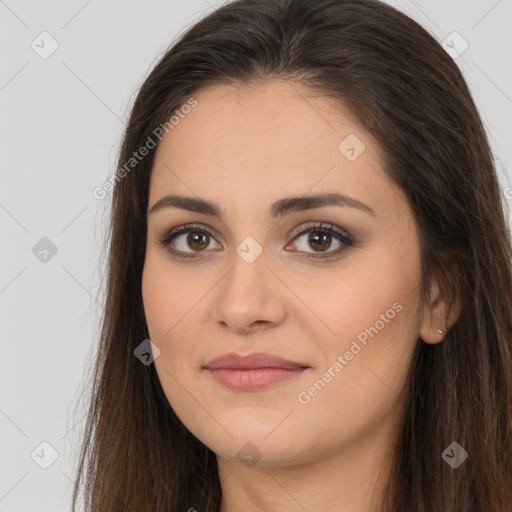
[[341, 297]]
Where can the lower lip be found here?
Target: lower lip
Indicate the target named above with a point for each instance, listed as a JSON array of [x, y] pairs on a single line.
[[257, 378]]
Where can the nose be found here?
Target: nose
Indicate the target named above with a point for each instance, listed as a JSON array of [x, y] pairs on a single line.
[[250, 297]]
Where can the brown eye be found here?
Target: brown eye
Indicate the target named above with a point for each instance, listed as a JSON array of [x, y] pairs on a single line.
[[320, 238], [196, 241]]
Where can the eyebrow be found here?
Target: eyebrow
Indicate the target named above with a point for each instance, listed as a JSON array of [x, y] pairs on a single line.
[[278, 209]]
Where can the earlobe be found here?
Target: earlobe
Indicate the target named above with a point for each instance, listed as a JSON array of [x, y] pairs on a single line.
[[439, 315], [430, 332]]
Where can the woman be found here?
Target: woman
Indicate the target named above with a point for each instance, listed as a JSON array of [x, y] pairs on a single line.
[[308, 226]]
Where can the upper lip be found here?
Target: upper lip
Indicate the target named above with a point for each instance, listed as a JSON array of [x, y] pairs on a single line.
[[251, 361]]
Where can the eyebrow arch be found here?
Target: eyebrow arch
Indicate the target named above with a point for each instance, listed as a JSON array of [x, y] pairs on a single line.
[[280, 208]]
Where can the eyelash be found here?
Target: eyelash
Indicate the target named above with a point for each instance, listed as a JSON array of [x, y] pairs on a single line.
[[323, 228]]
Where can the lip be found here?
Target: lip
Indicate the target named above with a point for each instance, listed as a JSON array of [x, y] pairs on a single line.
[[234, 361], [253, 371]]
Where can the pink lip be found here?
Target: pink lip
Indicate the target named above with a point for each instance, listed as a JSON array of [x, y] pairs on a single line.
[[254, 371]]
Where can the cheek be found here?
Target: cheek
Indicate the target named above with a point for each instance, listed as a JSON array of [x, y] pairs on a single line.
[[155, 301], [167, 296], [163, 309], [174, 314], [374, 296]]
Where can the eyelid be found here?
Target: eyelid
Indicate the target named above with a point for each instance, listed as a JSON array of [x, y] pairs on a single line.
[[183, 228], [322, 226]]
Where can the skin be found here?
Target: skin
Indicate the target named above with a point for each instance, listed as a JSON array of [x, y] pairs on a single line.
[[243, 149]]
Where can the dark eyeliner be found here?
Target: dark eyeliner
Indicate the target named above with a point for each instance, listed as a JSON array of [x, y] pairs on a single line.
[[169, 236], [326, 228]]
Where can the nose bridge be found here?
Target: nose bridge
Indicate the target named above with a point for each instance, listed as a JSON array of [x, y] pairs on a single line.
[[247, 293], [249, 268]]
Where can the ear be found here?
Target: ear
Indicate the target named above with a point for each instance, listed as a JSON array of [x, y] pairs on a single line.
[[440, 313]]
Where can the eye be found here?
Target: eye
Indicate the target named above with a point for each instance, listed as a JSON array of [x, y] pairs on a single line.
[[321, 239], [199, 239]]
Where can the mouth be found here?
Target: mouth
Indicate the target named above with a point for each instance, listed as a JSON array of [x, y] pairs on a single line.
[[250, 380], [254, 371]]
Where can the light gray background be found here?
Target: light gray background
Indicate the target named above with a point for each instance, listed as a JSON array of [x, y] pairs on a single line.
[[61, 123]]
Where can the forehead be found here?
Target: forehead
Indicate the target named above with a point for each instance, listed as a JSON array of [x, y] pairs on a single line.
[[271, 139]]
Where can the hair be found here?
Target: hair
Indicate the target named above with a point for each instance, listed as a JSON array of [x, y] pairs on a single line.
[[406, 91]]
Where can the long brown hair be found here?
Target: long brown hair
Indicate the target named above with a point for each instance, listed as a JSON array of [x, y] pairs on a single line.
[[408, 93]]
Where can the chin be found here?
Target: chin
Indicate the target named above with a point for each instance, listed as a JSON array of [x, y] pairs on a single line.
[[250, 446]]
